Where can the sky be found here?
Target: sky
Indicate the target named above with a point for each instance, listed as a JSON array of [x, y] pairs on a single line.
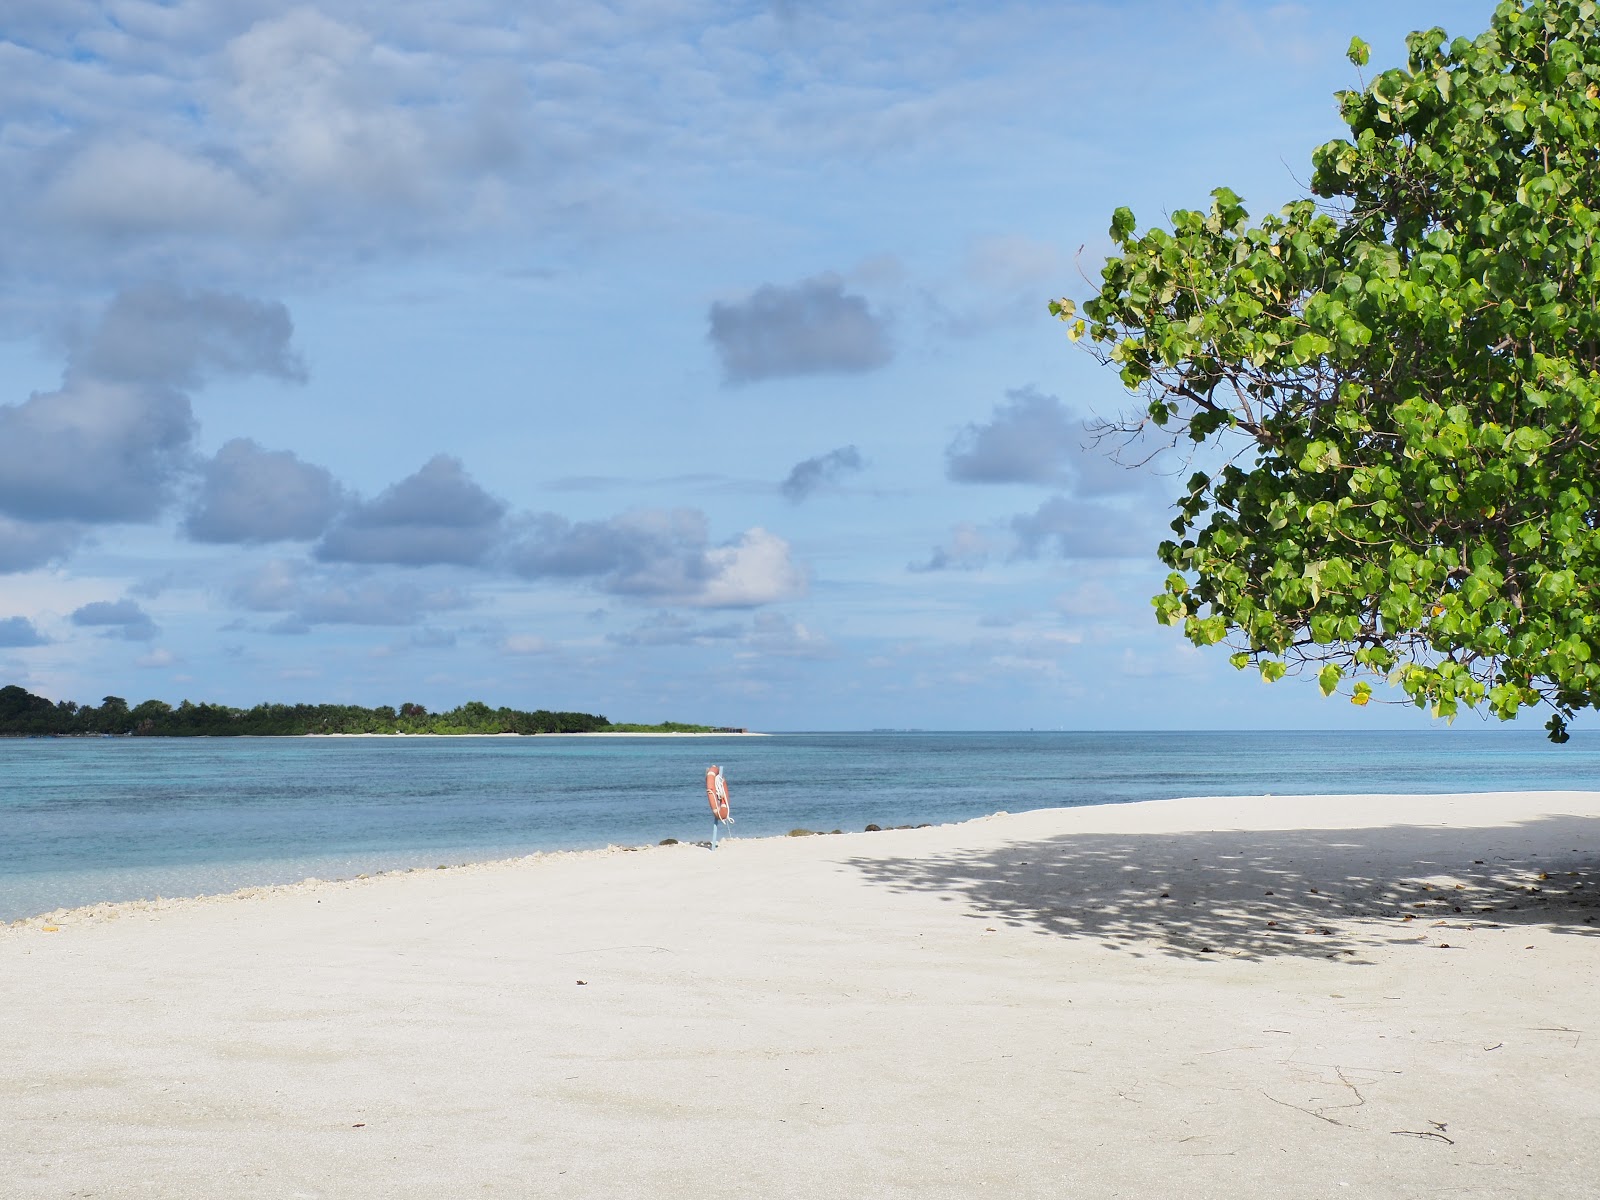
[[666, 359]]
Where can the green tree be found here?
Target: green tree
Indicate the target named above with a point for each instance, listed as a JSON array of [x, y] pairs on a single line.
[[1395, 391]]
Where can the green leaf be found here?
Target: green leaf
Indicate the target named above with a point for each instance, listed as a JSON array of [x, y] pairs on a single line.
[[1358, 53]]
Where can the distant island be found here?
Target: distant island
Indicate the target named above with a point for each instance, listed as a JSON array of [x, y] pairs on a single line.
[[22, 714]]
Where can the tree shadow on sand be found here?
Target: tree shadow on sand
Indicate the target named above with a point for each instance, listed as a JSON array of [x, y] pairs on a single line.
[[1259, 894]]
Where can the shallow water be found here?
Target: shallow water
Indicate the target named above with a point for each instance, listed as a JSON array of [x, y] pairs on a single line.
[[91, 819]]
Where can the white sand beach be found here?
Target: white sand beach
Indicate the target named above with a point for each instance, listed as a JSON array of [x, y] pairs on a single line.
[[1246, 998], [602, 733]]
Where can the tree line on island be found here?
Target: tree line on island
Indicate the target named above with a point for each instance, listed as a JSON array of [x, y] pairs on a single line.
[[24, 714]]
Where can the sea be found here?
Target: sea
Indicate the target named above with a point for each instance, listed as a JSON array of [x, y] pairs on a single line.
[[85, 820]]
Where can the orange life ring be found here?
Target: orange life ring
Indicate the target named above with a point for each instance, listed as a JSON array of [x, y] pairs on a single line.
[[717, 793]]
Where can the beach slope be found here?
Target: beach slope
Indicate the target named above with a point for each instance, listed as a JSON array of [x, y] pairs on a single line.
[[1247, 998]]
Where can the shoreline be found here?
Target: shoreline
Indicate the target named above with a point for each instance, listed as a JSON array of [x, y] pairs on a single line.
[[111, 909], [1258, 804], [1339, 995], [600, 733], [196, 737]]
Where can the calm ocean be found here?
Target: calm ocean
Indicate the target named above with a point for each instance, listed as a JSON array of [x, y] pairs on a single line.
[[90, 819]]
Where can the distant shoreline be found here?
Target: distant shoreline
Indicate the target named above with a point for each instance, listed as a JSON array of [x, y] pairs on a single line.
[[193, 737], [599, 733]]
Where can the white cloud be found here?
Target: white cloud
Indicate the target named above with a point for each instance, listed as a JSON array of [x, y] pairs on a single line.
[[756, 569]]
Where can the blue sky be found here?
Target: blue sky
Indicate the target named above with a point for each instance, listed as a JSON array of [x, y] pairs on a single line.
[[659, 358]]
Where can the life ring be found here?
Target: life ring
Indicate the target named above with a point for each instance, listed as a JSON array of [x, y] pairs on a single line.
[[717, 793]]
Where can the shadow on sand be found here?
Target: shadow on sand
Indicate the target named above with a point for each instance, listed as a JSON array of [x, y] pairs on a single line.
[[1257, 894]]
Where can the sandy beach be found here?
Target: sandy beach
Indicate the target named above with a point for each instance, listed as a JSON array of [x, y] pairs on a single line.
[[1247, 998], [602, 733]]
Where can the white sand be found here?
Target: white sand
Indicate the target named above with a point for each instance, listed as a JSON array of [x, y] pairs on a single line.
[[1076, 1003], [602, 733]]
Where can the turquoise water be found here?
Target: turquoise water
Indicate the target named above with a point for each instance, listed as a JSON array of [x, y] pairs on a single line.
[[90, 819]]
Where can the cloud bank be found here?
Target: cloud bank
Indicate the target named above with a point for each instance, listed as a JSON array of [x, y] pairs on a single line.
[[662, 556], [438, 515], [113, 442]]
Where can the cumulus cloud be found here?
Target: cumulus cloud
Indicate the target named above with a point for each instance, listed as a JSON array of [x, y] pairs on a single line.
[[160, 334], [1030, 439], [812, 327], [659, 555], [753, 569], [645, 552], [1078, 529], [438, 515], [93, 451], [119, 618], [110, 444], [16, 632], [25, 545], [809, 476], [251, 495], [1034, 438]]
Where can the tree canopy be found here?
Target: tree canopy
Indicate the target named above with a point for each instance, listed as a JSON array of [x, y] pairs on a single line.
[[1393, 384]]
